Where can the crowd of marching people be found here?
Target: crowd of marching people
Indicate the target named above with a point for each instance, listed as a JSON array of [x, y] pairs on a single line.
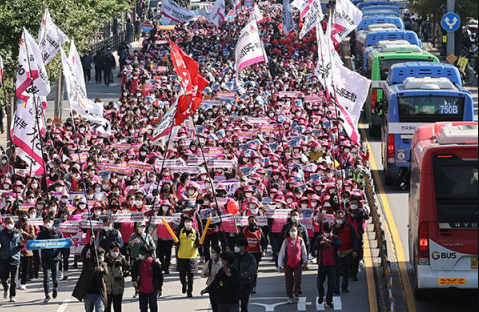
[[261, 170]]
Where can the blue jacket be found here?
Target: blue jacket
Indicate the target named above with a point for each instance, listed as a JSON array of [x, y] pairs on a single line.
[[10, 248], [49, 255]]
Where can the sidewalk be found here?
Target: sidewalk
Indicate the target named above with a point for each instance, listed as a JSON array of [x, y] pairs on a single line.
[[94, 90]]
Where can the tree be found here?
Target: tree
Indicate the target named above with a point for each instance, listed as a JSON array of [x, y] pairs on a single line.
[[78, 19], [436, 8]]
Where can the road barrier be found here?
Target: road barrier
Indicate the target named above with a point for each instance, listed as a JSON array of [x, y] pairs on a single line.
[[381, 238]]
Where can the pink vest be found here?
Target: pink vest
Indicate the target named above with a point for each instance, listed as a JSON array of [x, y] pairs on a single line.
[[293, 250]]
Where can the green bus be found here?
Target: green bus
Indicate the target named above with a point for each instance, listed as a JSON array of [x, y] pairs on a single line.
[[378, 65]]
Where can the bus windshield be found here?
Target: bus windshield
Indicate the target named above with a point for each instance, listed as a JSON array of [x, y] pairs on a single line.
[[456, 188], [430, 108], [386, 65]]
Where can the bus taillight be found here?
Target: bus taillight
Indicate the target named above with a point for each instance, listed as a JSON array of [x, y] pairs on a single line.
[[423, 250], [374, 99], [391, 149]]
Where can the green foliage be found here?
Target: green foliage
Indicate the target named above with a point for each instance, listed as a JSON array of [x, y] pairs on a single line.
[[436, 8], [78, 19]]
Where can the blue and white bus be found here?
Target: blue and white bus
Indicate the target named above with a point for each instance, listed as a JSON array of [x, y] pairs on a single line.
[[416, 94]]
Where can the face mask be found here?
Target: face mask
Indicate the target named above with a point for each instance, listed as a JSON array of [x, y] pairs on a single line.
[[188, 225], [33, 215], [339, 222], [31, 200], [237, 250], [289, 200], [4, 161], [97, 189], [10, 226], [294, 219], [106, 228], [248, 195], [141, 230], [49, 225], [165, 208], [254, 210], [6, 186], [114, 181], [293, 234], [191, 192], [117, 193], [91, 196], [243, 184], [304, 206], [279, 205], [138, 203], [34, 185], [102, 259], [354, 207], [64, 200], [314, 204], [213, 255], [115, 255], [82, 206], [97, 212]]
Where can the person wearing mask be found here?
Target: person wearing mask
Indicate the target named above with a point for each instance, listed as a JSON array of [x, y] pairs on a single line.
[[91, 285], [357, 216], [348, 250], [108, 235], [294, 220], [138, 239], [165, 241], [256, 244], [50, 257], [29, 232], [11, 243], [246, 265], [325, 250], [147, 278], [118, 269], [226, 285], [189, 240], [211, 269], [293, 258]]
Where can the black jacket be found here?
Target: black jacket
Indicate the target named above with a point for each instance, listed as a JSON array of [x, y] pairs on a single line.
[[50, 254], [246, 266], [226, 288], [157, 274]]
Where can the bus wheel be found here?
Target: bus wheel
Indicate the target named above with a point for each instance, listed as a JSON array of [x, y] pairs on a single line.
[[387, 179]]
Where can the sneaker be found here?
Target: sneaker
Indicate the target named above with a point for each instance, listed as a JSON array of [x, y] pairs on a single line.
[[135, 296], [23, 287], [290, 301], [345, 291], [5, 293], [189, 295], [328, 305], [47, 298], [55, 293], [65, 276], [12, 299], [183, 289], [320, 299], [361, 264], [253, 290], [296, 297], [60, 275]]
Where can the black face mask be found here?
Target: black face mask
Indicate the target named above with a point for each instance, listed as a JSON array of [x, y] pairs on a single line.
[[252, 225]]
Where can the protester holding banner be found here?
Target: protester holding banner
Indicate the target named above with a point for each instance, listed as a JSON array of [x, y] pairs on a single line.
[[50, 257], [11, 244]]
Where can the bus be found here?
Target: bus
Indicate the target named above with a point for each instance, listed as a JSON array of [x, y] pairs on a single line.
[[366, 22], [380, 14], [443, 207], [381, 9], [365, 4], [378, 66], [414, 102], [384, 46], [367, 39]]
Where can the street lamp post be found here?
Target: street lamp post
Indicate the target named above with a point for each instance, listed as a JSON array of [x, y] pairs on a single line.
[[450, 34]]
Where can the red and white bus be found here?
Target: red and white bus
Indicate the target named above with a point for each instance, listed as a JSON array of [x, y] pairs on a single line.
[[443, 207]]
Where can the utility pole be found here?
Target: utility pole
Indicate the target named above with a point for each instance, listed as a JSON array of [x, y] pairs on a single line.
[[451, 42]]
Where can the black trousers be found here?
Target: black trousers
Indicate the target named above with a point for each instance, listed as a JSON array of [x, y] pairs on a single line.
[[328, 272], [244, 298], [213, 301], [257, 256], [163, 252], [98, 71], [344, 265], [107, 75], [25, 263], [64, 263], [9, 269], [115, 301], [187, 278], [355, 262]]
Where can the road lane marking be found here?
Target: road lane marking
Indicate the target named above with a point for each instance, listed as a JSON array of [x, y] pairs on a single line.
[[270, 307], [64, 305], [368, 263], [337, 304], [391, 224]]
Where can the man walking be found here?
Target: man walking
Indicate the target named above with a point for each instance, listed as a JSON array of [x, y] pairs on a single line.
[[246, 265], [50, 257], [11, 243]]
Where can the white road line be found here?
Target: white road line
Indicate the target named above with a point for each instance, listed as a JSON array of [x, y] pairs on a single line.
[[337, 303], [270, 307], [64, 305], [302, 304], [320, 307], [268, 298]]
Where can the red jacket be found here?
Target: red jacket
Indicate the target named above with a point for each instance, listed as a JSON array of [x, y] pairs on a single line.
[[327, 252]]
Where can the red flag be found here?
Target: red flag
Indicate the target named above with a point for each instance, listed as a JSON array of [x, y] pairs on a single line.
[[191, 82]]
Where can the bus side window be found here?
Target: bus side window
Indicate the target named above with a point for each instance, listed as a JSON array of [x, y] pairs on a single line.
[[415, 184]]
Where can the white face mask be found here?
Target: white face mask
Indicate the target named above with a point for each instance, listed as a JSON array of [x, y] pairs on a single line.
[[49, 225], [188, 225], [97, 212], [314, 204], [294, 219], [115, 255], [98, 189], [138, 202], [293, 234], [339, 222], [114, 180], [254, 211], [191, 192], [107, 228], [33, 215], [10, 226], [165, 208], [141, 230], [289, 200], [354, 207], [102, 259], [34, 185], [141, 257], [304, 206], [82, 206], [237, 249], [248, 195], [31, 200], [91, 196]]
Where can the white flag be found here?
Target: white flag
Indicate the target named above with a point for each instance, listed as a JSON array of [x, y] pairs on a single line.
[[75, 62], [288, 22], [50, 38], [26, 135], [166, 124], [350, 97], [218, 13], [32, 78], [175, 12], [78, 99], [347, 17], [314, 14], [257, 14], [249, 49], [324, 67]]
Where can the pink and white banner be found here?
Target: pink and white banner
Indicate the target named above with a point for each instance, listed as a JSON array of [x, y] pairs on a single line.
[[176, 12], [249, 49], [50, 38], [314, 14]]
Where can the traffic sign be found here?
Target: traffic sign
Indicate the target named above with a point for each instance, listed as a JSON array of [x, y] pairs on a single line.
[[452, 59], [451, 22], [147, 26]]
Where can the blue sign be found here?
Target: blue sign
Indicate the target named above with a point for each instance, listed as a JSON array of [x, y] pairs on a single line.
[[451, 22], [146, 26], [49, 244]]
